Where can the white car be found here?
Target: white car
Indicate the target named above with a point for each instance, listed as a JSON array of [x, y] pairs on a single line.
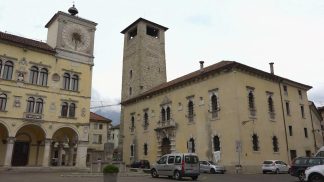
[[315, 174], [275, 166]]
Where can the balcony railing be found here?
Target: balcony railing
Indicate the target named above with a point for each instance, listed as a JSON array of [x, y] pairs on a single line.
[[166, 124], [33, 116]]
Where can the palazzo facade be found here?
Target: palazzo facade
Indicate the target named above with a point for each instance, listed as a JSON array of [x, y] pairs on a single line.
[[45, 91]]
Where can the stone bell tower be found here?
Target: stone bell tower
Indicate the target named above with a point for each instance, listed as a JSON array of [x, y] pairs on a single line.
[[144, 57]]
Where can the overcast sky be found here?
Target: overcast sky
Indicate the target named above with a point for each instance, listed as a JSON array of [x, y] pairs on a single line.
[[289, 33]]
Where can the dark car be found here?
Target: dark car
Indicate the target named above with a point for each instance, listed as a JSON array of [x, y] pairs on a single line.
[[144, 164], [300, 164]]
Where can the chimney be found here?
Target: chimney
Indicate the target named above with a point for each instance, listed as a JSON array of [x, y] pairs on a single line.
[[271, 68], [201, 64]]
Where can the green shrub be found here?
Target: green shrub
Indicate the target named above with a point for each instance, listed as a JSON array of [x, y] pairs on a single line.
[[110, 169]]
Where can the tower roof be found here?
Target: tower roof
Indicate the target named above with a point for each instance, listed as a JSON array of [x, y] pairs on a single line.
[[66, 14], [146, 21]]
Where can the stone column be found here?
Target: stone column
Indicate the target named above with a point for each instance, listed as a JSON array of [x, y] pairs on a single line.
[[47, 151], [10, 146], [71, 154], [81, 159], [59, 159]]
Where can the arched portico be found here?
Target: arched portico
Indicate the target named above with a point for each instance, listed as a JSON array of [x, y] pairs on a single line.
[[64, 147], [28, 148], [3, 143]]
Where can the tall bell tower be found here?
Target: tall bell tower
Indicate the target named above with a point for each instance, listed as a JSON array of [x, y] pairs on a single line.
[[144, 57]]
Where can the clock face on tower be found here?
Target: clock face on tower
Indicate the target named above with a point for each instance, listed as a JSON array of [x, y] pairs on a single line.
[[76, 37]]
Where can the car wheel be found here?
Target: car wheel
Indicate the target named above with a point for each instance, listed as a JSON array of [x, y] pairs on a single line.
[[194, 178], [154, 173], [177, 175], [170, 177], [263, 172], [277, 171], [212, 171], [301, 176], [316, 178]]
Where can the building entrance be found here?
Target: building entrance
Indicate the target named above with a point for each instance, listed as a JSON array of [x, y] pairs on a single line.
[[20, 154], [166, 146]]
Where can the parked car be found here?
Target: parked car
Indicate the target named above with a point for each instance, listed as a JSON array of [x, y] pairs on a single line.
[[145, 164], [300, 164], [176, 166], [211, 167], [275, 166], [315, 174]]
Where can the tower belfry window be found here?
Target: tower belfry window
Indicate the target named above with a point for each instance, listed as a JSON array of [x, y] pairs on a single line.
[[132, 33], [154, 32]]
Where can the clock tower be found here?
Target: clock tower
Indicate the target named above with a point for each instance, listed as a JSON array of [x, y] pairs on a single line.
[[72, 36]]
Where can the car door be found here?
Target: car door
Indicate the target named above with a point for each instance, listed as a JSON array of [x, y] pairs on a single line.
[[169, 166], [284, 167], [161, 165], [203, 166], [278, 166]]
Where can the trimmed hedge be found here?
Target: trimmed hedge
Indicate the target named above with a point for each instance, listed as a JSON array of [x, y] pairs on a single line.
[[110, 169]]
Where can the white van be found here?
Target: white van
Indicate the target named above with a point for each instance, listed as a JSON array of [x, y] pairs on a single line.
[[176, 166]]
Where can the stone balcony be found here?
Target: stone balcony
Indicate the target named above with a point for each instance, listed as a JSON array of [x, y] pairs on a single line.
[[166, 124], [33, 116]]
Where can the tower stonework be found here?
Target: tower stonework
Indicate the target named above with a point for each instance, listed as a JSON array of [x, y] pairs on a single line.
[[144, 57]]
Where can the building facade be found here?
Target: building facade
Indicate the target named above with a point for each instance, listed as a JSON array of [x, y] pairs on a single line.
[[227, 112], [45, 91], [99, 132], [114, 135], [317, 124]]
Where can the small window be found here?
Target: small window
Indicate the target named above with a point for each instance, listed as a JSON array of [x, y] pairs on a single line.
[[287, 108], [300, 94], [7, 70], [255, 142], [154, 32], [168, 113], [302, 111], [132, 150], [100, 126], [216, 143], [66, 81], [30, 104], [130, 74], [75, 83], [145, 149], [290, 131], [190, 110], [72, 110], [293, 155], [146, 122], [251, 100], [3, 101], [285, 89], [305, 132], [132, 122], [43, 77], [191, 146], [39, 106], [64, 110], [214, 106], [275, 144], [312, 161], [132, 33], [130, 90], [163, 114], [33, 75]]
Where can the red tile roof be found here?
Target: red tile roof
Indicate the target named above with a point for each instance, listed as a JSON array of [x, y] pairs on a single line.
[[218, 67], [25, 42], [96, 117]]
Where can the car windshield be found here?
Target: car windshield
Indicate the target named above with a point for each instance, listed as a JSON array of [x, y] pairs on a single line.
[[211, 162], [267, 162]]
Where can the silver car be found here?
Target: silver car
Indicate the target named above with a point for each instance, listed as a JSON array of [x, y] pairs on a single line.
[[211, 167], [176, 166], [275, 166]]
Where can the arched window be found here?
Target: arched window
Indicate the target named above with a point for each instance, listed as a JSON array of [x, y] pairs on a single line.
[[163, 114], [3, 101], [64, 110], [39, 106], [33, 75], [191, 146], [270, 104], [43, 77], [145, 148], [214, 103], [190, 110], [75, 82], [251, 100], [146, 122], [216, 143], [255, 142], [7, 70], [66, 81], [72, 110], [30, 104], [168, 113], [275, 144]]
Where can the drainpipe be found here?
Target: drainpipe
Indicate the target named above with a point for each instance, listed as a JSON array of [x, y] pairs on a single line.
[[313, 130], [284, 119]]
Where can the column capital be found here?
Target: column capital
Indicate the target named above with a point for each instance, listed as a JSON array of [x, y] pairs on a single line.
[[11, 140], [48, 141]]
